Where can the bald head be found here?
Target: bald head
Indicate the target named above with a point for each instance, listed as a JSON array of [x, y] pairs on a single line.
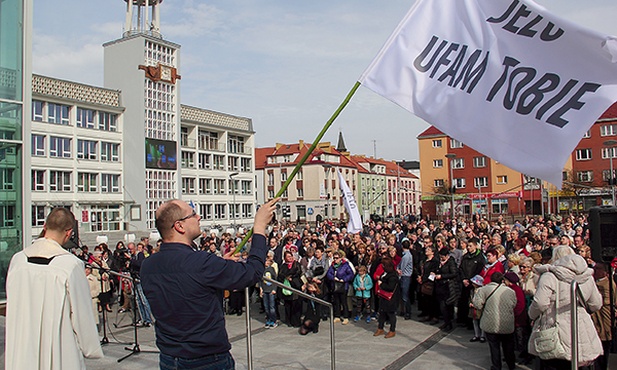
[[166, 215]]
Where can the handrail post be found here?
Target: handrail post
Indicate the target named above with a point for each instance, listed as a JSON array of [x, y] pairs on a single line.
[[574, 323], [249, 338]]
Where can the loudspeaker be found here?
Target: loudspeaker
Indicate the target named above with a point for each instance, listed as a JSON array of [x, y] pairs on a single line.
[[603, 233], [73, 241]]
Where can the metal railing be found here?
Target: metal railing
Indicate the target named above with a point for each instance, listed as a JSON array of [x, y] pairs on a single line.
[[249, 340], [575, 295]]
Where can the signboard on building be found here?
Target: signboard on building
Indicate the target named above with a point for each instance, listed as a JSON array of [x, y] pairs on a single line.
[[161, 154]]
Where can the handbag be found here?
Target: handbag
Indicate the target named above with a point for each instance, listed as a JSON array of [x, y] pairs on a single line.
[[384, 294], [545, 343], [427, 287], [339, 287], [286, 292]]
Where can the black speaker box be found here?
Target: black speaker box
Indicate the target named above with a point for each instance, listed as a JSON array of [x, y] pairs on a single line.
[[603, 233]]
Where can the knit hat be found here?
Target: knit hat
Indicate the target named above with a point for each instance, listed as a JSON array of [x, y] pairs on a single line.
[[478, 280], [512, 277]]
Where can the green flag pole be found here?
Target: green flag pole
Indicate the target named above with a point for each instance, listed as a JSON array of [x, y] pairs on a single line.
[[306, 155]]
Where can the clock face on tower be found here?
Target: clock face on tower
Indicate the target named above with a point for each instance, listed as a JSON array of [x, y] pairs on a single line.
[[165, 73]]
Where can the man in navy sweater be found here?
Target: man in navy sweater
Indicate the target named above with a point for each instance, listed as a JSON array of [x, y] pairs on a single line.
[[185, 288]]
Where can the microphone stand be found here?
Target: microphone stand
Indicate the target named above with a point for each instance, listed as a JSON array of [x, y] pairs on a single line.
[[109, 271], [135, 348]]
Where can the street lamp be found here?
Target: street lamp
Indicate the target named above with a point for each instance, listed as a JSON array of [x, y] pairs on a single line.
[[451, 157], [233, 192], [611, 144]]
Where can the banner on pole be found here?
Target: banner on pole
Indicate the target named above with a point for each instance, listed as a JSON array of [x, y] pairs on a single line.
[[355, 222], [505, 77]]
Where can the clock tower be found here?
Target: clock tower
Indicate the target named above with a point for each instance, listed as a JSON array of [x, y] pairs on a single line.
[[145, 67]]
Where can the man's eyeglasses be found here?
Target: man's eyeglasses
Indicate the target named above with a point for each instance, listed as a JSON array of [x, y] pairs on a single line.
[[193, 214]]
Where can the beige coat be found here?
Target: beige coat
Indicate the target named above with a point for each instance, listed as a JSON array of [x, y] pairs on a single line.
[[602, 318], [497, 309], [560, 275]]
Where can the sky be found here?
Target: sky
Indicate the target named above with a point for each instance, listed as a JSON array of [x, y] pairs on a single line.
[[286, 64]]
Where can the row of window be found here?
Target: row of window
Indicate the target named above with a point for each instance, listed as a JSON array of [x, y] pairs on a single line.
[[478, 182], [209, 140], [458, 163], [62, 181], [216, 186], [586, 154], [222, 211], [62, 147], [299, 177], [454, 144], [84, 118], [100, 218], [208, 161], [587, 176]]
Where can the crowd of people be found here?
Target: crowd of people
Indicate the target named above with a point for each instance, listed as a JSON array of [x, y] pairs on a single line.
[[495, 278]]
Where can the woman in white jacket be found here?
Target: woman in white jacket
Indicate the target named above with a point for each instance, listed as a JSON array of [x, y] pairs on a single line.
[[559, 275]]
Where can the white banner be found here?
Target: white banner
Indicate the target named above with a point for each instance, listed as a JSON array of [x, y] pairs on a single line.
[[505, 77], [355, 222]]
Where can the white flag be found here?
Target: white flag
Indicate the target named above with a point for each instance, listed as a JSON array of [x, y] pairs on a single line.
[[505, 77], [355, 222]]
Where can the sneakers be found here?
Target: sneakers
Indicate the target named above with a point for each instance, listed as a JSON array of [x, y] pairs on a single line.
[[345, 321], [356, 319], [336, 319], [270, 325], [368, 319]]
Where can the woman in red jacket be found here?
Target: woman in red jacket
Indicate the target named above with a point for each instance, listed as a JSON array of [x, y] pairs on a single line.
[[492, 266]]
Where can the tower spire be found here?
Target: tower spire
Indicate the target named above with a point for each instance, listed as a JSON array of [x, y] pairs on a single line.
[[145, 21]]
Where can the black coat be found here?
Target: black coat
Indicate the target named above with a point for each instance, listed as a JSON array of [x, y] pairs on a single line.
[[472, 265], [390, 283], [448, 288], [293, 275]]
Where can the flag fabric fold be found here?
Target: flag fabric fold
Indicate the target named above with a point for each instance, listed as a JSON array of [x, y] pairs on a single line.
[[355, 222], [505, 77]]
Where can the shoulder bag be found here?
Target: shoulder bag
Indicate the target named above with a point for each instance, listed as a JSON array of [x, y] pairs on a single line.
[[545, 342]]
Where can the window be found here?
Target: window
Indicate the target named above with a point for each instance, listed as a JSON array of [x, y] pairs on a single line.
[[204, 161], [499, 205], [108, 121], [58, 113], [232, 163], [606, 175], [184, 136], [6, 178], [219, 186], [247, 187], [438, 183], [59, 147], [110, 183], [585, 176], [110, 152], [233, 186], [105, 218], [233, 210], [247, 210], [608, 130], [270, 194], [38, 180], [86, 149], [564, 176], [609, 152], [85, 118], [480, 182], [503, 179], [188, 185], [479, 162], [219, 211], [205, 210], [436, 143], [37, 110], [459, 183], [245, 164], [437, 163], [188, 160], [38, 216], [235, 144], [300, 193], [205, 186], [587, 134], [458, 163], [270, 178], [299, 175], [208, 140], [285, 194], [531, 183], [86, 182], [283, 176], [454, 144], [7, 216], [38, 145], [583, 154], [219, 162], [59, 181]]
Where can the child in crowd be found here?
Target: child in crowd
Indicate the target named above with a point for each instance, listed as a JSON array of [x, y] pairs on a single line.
[[268, 294], [363, 284], [477, 281]]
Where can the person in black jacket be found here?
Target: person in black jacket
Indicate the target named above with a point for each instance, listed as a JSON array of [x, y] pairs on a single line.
[[388, 282], [428, 303], [447, 287], [471, 265], [291, 271]]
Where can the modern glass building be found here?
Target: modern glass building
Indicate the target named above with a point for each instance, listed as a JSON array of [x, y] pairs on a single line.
[[15, 19]]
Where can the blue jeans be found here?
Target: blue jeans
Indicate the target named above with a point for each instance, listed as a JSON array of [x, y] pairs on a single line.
[[405, 284], [218, 361], [144, 306], [270, 306]]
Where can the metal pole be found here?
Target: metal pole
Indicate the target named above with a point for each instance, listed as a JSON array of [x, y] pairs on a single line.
[[573, 323], [249, 337]]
